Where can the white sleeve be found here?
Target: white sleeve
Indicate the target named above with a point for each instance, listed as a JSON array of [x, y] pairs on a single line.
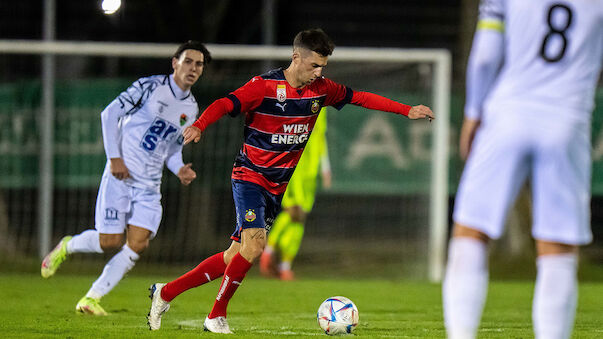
[[484, 65], [174, 160], [486, 58], [134, 97], [492, 10], [128, 102], [110, 127]]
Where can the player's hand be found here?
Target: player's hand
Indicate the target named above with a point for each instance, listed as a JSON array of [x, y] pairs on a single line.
[[421, 112], [191, 133], [468, 130], [186, 174], [119, 169]]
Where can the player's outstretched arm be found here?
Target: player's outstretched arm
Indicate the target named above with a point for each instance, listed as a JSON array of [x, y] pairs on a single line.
[[186, 174], [213, 113], [377, 102], [420, 112]]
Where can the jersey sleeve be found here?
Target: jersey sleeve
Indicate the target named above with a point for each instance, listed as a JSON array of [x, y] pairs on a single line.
[[134, 97], [492, 11], [244, 99], [379, 103], [248, 96], [337, 95], [486, 57], [174, 159], [213, 113], [110, 128], [491, 15], [128, 102]]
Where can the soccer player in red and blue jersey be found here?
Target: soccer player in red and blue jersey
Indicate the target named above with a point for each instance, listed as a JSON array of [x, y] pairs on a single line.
[[280, 109]]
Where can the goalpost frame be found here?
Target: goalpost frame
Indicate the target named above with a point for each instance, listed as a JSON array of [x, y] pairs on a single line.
[[440, 58]]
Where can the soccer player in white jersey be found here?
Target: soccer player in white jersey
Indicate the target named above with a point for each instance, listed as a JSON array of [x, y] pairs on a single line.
[[141, 132], [531, 79]]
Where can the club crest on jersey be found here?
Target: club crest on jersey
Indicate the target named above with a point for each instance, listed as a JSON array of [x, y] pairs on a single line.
[[315, 106], [281, 93], [182, 119], [250, 216]]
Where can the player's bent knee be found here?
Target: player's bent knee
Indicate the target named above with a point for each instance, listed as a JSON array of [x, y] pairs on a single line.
[[297, 214], [468, 232], [138, 238], [253, 241], [252, 250], [138, 246], [111, 242], [553, 248]]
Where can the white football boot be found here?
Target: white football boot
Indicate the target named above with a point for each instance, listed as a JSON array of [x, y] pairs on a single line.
[[217, 325], [158, 307]]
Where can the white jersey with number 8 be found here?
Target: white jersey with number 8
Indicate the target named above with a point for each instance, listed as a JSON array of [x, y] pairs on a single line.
[[535, 117], [553, 53]]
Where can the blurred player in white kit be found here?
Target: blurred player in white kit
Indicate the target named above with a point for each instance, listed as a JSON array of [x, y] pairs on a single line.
[[142, 131], [531, 80]]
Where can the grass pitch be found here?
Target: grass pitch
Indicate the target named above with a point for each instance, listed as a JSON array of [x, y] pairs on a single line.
[[36, 308]]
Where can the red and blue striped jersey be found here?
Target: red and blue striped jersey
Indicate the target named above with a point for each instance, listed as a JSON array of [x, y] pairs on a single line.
[[279, 120], [278, 123]]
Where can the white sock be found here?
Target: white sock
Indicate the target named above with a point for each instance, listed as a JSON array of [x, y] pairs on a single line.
[[268, 250], [85, 242], [555, 296], [465, 287], [113, 272]]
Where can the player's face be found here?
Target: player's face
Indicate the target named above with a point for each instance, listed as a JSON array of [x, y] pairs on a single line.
[[309, 66], [188, 68]]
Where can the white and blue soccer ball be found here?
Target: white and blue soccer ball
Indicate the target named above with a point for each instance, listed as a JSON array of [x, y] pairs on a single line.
[[337, 315]]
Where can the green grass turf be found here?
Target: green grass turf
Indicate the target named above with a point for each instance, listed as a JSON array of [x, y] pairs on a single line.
[[32, 307]]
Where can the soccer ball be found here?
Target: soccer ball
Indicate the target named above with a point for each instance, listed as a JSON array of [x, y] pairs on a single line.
[[337, 315]]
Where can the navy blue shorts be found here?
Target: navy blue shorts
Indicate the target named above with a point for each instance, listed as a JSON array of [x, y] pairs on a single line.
[[255, 207]]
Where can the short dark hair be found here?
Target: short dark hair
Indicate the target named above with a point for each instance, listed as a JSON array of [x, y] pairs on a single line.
[[316, 40], [196, 45]]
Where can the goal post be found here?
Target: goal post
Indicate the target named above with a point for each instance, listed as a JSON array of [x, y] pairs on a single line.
[[438, 61]]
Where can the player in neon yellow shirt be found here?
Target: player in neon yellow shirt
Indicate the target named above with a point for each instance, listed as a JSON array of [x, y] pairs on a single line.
[[288, 228]]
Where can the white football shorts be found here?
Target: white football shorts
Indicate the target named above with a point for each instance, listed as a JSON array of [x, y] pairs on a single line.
[[118, 205], [509, 148]]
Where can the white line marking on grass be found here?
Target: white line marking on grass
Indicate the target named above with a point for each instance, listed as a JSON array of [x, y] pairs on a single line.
[[491, 330], [287, 332], [284, 331], [196, 323]]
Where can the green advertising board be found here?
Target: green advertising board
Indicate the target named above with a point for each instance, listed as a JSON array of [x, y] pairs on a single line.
[[376, 152]]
